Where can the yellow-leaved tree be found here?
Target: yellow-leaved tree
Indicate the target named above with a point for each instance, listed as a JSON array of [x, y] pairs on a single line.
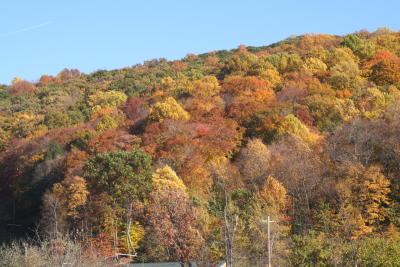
[[292, 125], [273, 196], [3, 138], [165, 178], [106, 99], [173, 218], [61, 203], [363, 197], [168, 109], [207, 86], [72, 193], [272, 77], [314, 65], [273, 202]]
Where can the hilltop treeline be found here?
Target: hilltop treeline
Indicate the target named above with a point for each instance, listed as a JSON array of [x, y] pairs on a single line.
[[184, 160]]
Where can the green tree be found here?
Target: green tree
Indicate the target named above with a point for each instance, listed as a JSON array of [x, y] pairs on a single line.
[[53, 151], [285, 62], [352, 41], [125, 176], [346, 75], [328, 111], [57, 119]]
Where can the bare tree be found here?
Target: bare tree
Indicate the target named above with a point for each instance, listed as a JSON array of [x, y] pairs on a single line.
[[52, 223]]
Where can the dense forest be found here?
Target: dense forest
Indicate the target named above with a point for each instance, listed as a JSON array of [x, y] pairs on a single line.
[[185, 160]]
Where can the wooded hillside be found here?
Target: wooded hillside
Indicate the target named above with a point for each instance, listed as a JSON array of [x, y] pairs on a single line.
[[184, 160]]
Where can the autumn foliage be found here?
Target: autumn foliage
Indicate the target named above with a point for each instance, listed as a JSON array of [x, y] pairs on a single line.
[[184, 160]]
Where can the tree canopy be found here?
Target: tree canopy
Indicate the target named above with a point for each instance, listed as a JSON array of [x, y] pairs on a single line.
[[184, 160]]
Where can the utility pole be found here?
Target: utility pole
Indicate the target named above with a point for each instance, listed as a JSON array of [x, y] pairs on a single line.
[[268, 221]]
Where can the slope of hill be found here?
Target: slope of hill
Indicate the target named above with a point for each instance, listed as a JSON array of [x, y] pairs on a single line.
[[183, 160]]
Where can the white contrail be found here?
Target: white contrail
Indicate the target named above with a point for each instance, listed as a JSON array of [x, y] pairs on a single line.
[[30, 28]]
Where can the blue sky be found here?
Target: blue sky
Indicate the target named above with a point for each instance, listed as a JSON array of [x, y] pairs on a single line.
[[44, 36]]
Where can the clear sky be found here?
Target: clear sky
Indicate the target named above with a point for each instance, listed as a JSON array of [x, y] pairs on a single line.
[[44, 36]]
